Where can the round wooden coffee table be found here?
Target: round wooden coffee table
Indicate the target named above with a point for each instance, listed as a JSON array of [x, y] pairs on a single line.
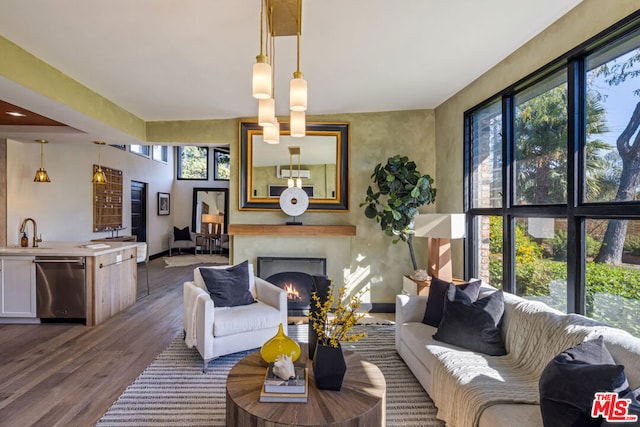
[[361, 402]]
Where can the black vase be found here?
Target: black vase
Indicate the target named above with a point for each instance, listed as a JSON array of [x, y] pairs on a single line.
[[329, 367], [321, 286]]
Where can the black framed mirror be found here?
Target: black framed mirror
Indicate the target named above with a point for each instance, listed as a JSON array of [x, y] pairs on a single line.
[[213, 202], [322, 164]]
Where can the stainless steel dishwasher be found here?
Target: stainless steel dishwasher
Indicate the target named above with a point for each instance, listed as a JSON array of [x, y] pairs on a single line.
[[60, 287]]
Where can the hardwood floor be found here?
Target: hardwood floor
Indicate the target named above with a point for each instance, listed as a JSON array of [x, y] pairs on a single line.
[[69, 374]]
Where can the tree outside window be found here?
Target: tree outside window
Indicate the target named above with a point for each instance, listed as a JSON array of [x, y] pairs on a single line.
[[193, 162]]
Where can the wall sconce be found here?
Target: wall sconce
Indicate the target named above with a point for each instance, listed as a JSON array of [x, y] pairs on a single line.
[[99, 177], [440, 229], [41, 174]]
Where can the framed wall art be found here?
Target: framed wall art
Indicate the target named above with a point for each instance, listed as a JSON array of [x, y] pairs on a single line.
[[164, 204]]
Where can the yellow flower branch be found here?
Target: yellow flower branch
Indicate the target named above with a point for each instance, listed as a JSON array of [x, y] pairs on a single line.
[[333, 322]]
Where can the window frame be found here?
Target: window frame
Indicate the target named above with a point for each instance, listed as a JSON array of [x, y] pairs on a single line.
[[576, 210], [216, 153], [179, 163], [164, 154], [146, 150]]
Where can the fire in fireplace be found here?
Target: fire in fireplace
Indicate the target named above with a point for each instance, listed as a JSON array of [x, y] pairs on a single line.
[[294, 275]]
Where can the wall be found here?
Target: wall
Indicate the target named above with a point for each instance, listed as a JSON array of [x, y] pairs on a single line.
[[584, 21], [369, 260], [63, 208]]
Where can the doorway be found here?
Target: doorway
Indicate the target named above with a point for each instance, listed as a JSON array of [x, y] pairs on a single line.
[[139, 210]]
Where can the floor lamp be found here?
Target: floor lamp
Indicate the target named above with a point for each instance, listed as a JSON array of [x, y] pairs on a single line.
[[440, 229]]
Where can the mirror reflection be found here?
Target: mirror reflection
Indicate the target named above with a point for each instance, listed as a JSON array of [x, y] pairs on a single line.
[[209, 212], [319, 160], [315, 165]]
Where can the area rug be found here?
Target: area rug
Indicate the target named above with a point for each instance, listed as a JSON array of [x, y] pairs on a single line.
[[184, 260], [173, 391]]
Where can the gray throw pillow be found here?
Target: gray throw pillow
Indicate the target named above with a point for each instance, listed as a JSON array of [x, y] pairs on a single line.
[[466, 292], [228, 287], [474, 326], [570, 380]]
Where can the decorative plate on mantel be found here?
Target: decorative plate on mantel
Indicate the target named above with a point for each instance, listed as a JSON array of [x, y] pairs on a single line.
[[294, 202]]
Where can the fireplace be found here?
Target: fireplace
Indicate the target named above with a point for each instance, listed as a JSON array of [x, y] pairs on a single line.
[[295, 275]]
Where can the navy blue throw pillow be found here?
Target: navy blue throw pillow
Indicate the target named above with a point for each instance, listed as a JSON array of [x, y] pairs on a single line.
[[228, 287], [474, 326], [435, 302], [181, 233], [569, 382]]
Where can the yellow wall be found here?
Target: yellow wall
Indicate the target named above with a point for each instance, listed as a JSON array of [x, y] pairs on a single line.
[[581, 23]]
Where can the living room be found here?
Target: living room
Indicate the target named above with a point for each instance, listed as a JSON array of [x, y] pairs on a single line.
[[433, 137]]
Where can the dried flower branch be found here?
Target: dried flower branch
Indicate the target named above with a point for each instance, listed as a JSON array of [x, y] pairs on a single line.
[[333, 322]]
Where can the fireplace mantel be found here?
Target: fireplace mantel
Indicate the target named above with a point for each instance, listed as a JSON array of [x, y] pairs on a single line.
[[290, 230]]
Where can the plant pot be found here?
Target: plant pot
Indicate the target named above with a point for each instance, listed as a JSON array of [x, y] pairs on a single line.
[[321, 286], [329, 367]]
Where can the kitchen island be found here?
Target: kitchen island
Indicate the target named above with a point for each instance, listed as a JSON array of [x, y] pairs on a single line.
[[110, 279]]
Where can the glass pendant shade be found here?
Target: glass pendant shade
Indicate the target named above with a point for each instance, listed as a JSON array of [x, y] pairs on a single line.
[[99, 177], [41, 173], [41, 176], [298, 93], [298, 123], [261, 81], [299, 182], [271, 134], [290, 182], [266, 112]]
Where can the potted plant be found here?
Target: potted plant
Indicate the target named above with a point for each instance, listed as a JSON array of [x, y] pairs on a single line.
[[401, 190]]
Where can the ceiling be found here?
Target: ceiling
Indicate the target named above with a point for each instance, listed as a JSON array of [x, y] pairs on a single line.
[[192, 59]]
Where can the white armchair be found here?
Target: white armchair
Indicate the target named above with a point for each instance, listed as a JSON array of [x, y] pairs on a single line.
[[217, 331]]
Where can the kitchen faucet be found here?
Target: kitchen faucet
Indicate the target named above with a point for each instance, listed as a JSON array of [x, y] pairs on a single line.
[[35, 230]]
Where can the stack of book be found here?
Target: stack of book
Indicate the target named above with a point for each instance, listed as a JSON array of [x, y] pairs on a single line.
[[276, 389]]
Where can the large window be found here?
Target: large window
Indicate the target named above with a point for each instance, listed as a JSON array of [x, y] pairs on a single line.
[[553, 183], [193, 162]]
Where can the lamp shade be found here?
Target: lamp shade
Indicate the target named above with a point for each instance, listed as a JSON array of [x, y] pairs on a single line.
[[266, 112], [442, 226], [271, 134], [298, 93], [298, 124], [261, 81], [208, 218]]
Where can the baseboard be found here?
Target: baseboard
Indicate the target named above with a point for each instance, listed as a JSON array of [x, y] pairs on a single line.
[[159, 255]]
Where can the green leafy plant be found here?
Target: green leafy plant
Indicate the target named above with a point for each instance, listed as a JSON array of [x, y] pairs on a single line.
[[401, 190]]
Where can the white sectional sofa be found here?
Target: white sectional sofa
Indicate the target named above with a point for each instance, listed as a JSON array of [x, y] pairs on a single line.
[[474, 389]]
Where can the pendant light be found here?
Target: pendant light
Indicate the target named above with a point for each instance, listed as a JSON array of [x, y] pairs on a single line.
[[41, 174], [298, 85], [261, 80], [271, 134], [99, 177], [298, 124], [299, 179]]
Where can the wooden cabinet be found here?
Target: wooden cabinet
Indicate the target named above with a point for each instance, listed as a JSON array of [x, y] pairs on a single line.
[[114, 278], [17, 286]]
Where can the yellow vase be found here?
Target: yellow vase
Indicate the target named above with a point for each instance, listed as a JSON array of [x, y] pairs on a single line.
[[280, 344]]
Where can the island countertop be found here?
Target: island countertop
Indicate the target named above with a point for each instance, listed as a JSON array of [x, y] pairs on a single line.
[[90, 249]]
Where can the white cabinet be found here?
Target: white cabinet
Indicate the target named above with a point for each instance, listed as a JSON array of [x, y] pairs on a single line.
[[17, 286]]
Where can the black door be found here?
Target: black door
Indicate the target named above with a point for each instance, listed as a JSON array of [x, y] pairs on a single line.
[[139, 210]]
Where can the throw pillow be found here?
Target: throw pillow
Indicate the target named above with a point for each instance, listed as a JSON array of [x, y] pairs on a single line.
[[228, 287], [181, 233], [474, 326], [570, 380], [465, 292], [633, 408], [435, 302]]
